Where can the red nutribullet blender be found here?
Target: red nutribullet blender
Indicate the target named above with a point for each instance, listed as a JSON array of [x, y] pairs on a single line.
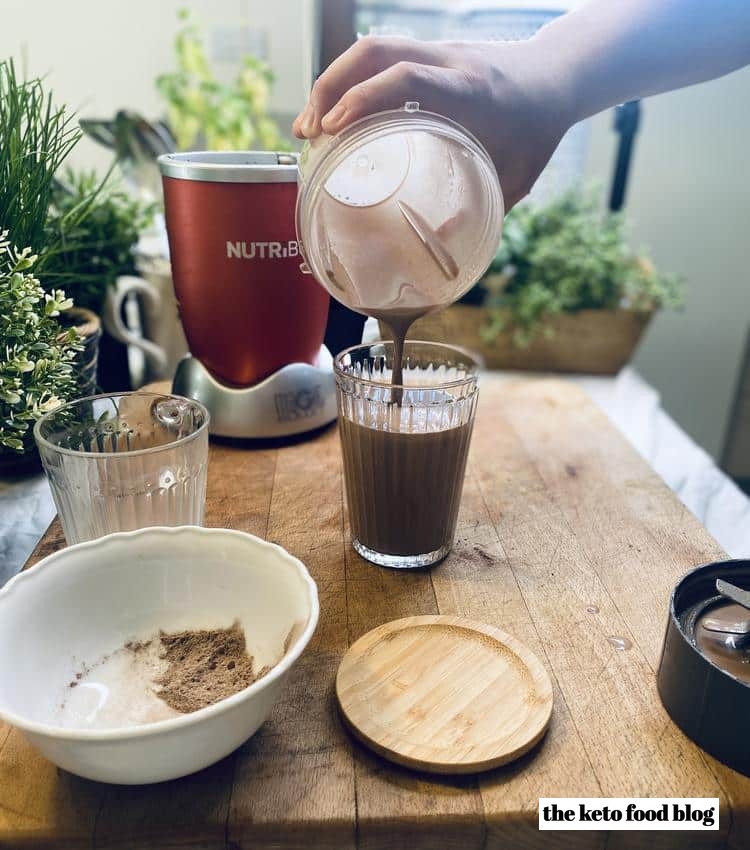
[[254, 322]]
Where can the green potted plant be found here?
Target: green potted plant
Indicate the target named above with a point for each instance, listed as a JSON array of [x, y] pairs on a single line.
[[35, 139], [37, 370], [94, 227], [205, 113], [565, 293], [81, 228]]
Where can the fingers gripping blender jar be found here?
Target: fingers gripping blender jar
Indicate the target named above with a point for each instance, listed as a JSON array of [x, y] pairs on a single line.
[[399, 214]]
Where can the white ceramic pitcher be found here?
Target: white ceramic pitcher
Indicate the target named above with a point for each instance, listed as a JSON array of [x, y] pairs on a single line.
[[162, 340]]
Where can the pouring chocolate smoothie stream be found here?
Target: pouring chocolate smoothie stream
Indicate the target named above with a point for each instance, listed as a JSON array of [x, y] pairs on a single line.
[[398, 216]]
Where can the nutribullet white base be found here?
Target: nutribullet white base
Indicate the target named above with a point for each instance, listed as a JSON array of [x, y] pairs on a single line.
[[297, 398]]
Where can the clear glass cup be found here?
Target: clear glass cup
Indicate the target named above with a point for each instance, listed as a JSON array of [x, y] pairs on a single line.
[[405, 448], [125, 461]]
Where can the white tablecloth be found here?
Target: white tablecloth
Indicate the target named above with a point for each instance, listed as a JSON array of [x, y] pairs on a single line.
[[26, 507]]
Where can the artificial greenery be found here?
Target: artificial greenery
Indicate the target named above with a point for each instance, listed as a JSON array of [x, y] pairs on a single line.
[[93, 227], [36, 354], [202, 112], [35, 138], [563, 257]]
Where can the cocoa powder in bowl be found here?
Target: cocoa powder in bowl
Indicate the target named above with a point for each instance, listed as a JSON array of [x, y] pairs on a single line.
[[203, 667], [151, 679]]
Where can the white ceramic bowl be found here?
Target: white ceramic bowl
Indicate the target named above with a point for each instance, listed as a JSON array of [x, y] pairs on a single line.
[[88, 599]]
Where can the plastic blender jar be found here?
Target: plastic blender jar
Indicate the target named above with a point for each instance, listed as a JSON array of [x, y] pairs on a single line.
[[401, 212]]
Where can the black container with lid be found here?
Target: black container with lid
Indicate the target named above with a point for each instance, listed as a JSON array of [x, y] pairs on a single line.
[[709, 704]]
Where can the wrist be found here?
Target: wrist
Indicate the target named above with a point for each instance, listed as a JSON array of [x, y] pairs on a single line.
[[562, 75]]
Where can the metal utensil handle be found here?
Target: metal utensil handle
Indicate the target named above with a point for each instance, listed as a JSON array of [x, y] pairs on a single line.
[[731, 591]]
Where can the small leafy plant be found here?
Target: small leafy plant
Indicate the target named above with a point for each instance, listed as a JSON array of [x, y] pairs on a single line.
[[35, 139], [80, 227], [564, 257], [202, 112], [36, 354], [93, 226]]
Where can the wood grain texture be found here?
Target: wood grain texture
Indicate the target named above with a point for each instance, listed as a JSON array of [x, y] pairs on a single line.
[[566, 539], [444, 694], [294, 783], [578, 596], [476, 580], [395, 804]]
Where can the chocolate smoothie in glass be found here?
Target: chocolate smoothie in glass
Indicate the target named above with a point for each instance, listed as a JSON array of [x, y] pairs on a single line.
[[404, 462], [398, 216]]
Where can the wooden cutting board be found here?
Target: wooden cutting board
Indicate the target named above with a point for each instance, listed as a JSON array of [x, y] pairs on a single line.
[[566, 540]]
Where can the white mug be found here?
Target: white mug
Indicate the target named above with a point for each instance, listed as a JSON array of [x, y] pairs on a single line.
[[162, 340]]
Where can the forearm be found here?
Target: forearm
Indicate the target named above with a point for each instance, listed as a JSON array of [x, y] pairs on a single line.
[[610, 51]]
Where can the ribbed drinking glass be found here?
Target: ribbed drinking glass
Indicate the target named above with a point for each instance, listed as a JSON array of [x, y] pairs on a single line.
[[405, 448], [125, 461]]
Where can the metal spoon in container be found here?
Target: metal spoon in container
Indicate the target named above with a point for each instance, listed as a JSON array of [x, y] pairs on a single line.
[[737, 631]]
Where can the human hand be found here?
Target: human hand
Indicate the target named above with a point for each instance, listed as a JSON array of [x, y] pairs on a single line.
[[506, 94]]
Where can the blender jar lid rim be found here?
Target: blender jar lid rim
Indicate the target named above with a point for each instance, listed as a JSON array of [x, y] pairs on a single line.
[[230, 166], [391, 121], [387, 121]]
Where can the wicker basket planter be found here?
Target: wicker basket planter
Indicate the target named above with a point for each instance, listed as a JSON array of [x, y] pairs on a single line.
[[598, 342], [89, 327]]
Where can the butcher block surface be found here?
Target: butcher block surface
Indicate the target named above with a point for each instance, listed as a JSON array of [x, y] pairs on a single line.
[[567, 540]]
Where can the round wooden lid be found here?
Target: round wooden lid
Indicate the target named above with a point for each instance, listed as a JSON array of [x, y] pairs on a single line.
[[444, 694]]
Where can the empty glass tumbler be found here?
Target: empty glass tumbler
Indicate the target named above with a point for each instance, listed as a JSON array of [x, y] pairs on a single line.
[[126, 461], [405, 448]]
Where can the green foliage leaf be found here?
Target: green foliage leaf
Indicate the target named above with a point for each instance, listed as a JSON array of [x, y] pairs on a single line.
[[82, 227], [202, 111], [564, 257], [36, 354], [35, 138], [92, 226]]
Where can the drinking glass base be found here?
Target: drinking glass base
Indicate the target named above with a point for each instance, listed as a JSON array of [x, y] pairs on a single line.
[[401, 562]]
